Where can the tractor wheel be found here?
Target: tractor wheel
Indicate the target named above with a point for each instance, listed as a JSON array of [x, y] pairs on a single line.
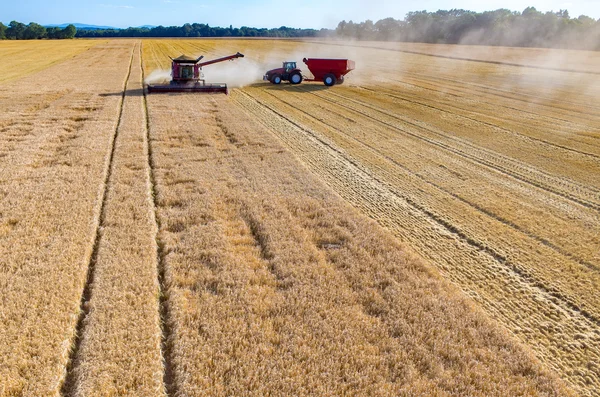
[[276, 79], [296, 78], [329, 80]]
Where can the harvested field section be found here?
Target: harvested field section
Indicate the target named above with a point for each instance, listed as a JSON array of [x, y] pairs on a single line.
[[52, 175], [278, 287], [22, 58], [413, 165], [486, 182], [423, 158], [120, 348], [522, 304]]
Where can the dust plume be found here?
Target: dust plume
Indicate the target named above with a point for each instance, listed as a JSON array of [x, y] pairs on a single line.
[[158, 76]]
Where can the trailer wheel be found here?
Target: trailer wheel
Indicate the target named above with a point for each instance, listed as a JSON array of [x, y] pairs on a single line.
[[276, 79], [340, 80], [329, 80], [296, 78]]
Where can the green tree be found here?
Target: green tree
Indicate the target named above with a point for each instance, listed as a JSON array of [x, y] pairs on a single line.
[[15, 30], [69, 32], [366, 30], [389, 29], [2, 31], [34, 31], [53, 33]]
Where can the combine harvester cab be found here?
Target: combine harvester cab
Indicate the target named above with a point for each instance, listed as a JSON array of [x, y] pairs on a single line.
[[329, 71], [186, 76]]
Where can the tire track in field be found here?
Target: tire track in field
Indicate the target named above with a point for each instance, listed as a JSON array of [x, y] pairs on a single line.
[[170, 385], [475, 206], [553, 328], [382, 91], [587, 196], [68, 387]]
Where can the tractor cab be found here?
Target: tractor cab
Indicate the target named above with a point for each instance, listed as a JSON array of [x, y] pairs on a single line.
[[289, 66], [288, 72]]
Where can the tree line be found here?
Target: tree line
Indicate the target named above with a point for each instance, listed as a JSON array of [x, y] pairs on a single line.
[[198, 30], [530, 28], [19, 31]]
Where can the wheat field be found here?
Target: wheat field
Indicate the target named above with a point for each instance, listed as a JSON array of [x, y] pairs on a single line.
[[431, 227]]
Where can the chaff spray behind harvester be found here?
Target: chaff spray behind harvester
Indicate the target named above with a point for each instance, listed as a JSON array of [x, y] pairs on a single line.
[[187, 76]]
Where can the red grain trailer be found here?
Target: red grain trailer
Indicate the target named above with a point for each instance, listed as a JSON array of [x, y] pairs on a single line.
[[329, 71]]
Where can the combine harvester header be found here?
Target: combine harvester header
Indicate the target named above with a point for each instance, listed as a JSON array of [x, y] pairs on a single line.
[[187, 76]]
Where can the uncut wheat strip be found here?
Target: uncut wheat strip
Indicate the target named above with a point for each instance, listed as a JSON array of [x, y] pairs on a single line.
[[23, 58], [521, 307], [49, 204], [233, 169], [68, 105], [120, 352]]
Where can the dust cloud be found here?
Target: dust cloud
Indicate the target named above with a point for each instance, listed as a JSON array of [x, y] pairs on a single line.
[[158, 76]]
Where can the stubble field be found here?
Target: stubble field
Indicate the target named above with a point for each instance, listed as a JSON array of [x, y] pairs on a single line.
[[431, 227]]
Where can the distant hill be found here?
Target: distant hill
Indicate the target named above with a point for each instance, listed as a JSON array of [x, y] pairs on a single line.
[[81, 26]]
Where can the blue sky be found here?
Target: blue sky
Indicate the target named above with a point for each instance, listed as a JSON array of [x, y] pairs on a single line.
[[257, 13]]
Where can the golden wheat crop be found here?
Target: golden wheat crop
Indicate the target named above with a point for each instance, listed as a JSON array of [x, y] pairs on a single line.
[[119, 352], [489, 170], [190, 244], [277, 287], [57, 127], [22, 58]]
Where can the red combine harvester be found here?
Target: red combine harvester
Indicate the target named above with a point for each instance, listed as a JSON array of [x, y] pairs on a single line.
[[329, 71], [187, 76]]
